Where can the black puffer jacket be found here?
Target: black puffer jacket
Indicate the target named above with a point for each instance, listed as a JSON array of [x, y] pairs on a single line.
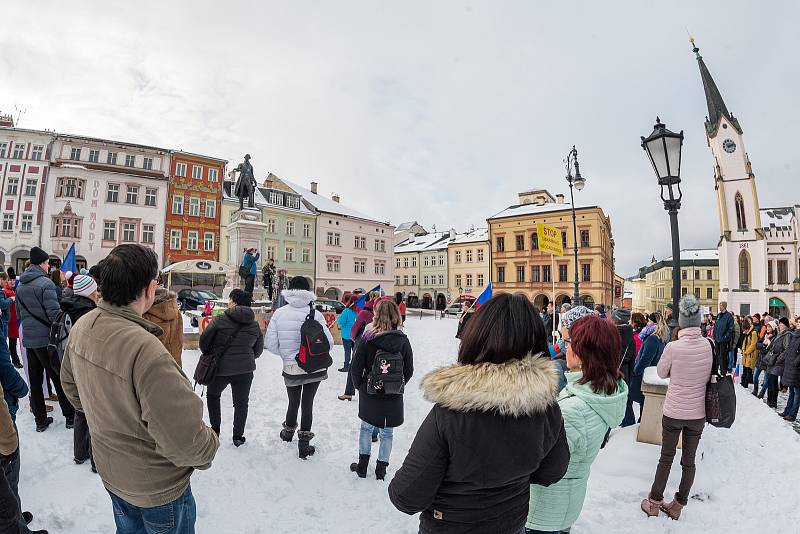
[[791, 362], [77, 306], [494, 430], [627, 351], [378, 410], [237, 355]]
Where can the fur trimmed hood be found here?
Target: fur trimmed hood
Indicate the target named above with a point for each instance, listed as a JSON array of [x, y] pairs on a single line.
[[517, 387]]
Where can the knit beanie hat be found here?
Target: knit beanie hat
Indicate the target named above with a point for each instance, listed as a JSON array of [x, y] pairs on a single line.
[[84, 285], [621, 316], [689, 312], [774, 325], [784, 321], [568, 318], [38, 256]]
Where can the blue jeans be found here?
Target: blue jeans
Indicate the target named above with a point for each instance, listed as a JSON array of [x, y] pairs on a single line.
[[348, 348], [793, 404], [365, 441], [733, 357], [756, 376], [176, 517]]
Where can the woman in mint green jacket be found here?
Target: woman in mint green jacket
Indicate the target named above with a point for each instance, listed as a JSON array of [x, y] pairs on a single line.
[[592, 402]]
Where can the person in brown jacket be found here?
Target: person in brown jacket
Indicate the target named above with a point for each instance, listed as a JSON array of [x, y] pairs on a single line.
[[148, 434], [166, 314]]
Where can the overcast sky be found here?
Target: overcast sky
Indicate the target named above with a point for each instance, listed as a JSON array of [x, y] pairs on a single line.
[[439, 112]]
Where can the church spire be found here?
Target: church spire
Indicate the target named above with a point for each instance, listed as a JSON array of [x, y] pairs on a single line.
[[716, 106]]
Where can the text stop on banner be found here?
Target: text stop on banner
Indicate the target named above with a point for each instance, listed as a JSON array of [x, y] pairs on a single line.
[[549, 239]]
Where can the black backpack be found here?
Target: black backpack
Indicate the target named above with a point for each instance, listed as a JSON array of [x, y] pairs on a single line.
[[386, 376], [314, 354], [59, 333]]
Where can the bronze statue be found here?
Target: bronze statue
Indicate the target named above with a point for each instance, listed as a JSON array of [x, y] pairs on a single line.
[[245, 184]]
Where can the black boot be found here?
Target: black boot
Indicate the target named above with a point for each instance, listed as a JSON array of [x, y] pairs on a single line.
[[27, 517], [303, 448], [239, 440], [380, 470], [360, 468], [287, 434], [44, 426]]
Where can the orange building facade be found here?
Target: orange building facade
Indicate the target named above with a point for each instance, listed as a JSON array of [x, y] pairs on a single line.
[[193, 208]]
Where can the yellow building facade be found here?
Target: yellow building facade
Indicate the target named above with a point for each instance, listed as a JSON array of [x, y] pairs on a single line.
[[699, 276], [468, 263]]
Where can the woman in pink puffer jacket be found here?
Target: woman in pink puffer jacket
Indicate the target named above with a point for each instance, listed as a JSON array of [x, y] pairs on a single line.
[[687, 363]]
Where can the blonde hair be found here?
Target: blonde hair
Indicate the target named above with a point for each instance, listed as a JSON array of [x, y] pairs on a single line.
[[387, 316], [662, 329]]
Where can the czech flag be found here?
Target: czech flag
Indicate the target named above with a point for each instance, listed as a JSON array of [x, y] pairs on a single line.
[[68, 265], [485, 295], [363, 299]]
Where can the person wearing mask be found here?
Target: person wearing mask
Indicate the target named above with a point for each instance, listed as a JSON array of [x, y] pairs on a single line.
[[364, 318], [166, 314], [723, 337], [627, 355], [687, 362], [775, 361], [593, 402], [249, 268], [37, 307], [283, 339], [791, 375], [638, 322], [268, 275], [235, 337], [749, 344], [82, 301], [652, 337], [381, 384], [148, 434], [346, 320], [494, 429], [401, 305], [567, 320]]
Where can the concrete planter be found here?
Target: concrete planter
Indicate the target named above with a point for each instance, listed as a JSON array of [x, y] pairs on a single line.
[[650, 427]]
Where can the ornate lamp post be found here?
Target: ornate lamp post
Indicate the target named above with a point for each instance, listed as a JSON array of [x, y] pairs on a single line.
[[663, 147], [578, 182]]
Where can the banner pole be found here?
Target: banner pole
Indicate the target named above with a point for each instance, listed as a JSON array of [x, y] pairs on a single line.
[[553, 279]]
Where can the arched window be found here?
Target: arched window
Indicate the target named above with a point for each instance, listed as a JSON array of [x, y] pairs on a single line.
[[741, 222], [744, 270]]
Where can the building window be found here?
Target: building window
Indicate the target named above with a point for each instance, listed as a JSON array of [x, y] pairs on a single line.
[[684, 275], [520, 242], [19, 151], [271, 225], [191, 240], [132, 194], [197, 172], [697, 293], [306, 229], [546, 275], [3, 148], [94, 156], [110, 231], [70, 187], [361, 243], [27, 223], [413, 261], [306, 255], [520, 272], [112, 193], [194, 207], [584, 238], [535, 241], [111, 158], [177, 205], [684, 291], [208, 241], [147, 164], [741, 222], [148, 233], [334, 239], [175, 239], [586, 271], [289, 254], [709, 276], [564, 239], [275, 198], [536, 274], [130, 161], [501, 272], [744, 270], [468, 256], [211, 209], [75, 154], [397, 263], [380, 269], [380, 245], [468, 279], [128, 232], [213, 175], [441, 260], [11, 186], [480, 280], [697, 274], [425, 280], [30, 187], [783, 271], [500, 244], [180, 170], [562, 272], [271, 252], [290, 227], [8, 222], [770, 278], [458, 256], [359, 266], [334, 265], [405, 262], [709, 293], [38, 151], [66, 227], [458, 280], [441, 279], [150, 196], [413, 279]]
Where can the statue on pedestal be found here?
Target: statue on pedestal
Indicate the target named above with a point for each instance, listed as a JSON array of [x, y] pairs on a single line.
[[246, 183]]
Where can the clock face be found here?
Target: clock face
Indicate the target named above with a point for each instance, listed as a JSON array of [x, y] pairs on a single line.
[[729, 146]]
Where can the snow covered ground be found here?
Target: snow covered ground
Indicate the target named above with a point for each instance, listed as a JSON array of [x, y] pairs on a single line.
[[747, 476]]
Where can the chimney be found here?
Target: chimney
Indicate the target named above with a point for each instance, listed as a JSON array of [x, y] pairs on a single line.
[[560, 198], [314, 187], [335, 198]]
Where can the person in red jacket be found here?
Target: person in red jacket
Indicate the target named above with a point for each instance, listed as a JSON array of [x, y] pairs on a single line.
[[9, 318]]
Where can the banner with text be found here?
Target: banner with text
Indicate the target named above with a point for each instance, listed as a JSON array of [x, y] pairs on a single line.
[[549, 239]]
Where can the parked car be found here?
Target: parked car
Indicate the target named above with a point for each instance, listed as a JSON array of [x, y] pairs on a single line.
[[453, 309], [327, 305], [190, 299]]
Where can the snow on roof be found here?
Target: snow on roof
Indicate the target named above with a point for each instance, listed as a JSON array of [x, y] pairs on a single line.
[[432, 241], [776, 217], [533, 209], [227, 194], [328, 205], [302, 209], [474, 236], [698, 254], [405, 226]]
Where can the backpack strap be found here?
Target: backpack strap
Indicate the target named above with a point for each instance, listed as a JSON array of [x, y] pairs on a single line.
[[48, 324]]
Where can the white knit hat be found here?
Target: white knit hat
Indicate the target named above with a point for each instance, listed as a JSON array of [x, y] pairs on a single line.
[[83, 285]]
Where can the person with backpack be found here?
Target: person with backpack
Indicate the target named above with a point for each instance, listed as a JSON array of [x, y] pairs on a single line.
[[290, 330], [749, 344], [687, 362], [381, 368], [346, 320], [248, 268], [37, 308], [236, 339], [82, 301]]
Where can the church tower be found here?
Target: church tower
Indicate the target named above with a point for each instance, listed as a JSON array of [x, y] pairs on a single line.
[[742, 247]]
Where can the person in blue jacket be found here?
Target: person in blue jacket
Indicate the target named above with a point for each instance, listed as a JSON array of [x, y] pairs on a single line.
[[250, 264], [652, 337], [346, 321]]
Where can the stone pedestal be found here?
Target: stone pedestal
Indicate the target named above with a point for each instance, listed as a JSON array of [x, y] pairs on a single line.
[[245, 231], [650, 427]]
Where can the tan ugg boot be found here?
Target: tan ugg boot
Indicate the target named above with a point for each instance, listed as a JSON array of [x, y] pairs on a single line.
[[673, 509], [651, 507]]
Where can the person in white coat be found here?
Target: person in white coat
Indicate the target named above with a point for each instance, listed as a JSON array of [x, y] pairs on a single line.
[[283, 339]]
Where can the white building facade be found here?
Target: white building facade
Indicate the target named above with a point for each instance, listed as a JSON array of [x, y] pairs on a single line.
[[104, 193], [758, 247]]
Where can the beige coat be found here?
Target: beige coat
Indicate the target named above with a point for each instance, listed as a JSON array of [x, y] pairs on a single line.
[[166, 314], [8, 434], [148, 434]]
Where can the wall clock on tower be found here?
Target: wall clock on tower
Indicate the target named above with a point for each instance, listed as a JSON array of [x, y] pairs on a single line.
[[729, 146]]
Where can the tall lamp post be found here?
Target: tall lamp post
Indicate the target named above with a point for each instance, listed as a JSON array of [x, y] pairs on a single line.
[[663, 147], [577, 181]]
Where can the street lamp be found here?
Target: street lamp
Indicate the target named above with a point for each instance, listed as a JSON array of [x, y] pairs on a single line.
[[663, 147], [578, 182]]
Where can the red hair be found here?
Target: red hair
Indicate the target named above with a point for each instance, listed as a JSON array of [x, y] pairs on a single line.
[[597, 343]]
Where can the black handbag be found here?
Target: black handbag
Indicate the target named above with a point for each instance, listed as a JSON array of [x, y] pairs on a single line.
[[208, 364], [720, 399]]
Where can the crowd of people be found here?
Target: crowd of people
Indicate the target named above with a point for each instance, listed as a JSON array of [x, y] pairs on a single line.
[[507, 447]]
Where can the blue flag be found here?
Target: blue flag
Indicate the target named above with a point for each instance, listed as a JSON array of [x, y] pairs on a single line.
[[363, 299], [485, 295], [69, 261]]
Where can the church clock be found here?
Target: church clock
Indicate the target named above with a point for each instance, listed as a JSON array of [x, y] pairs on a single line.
[[729, 146]]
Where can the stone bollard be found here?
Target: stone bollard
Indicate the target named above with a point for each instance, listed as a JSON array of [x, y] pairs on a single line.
[[654, 391]]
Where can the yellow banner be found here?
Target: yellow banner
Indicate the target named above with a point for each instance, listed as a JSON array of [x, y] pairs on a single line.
[[550, 239]]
